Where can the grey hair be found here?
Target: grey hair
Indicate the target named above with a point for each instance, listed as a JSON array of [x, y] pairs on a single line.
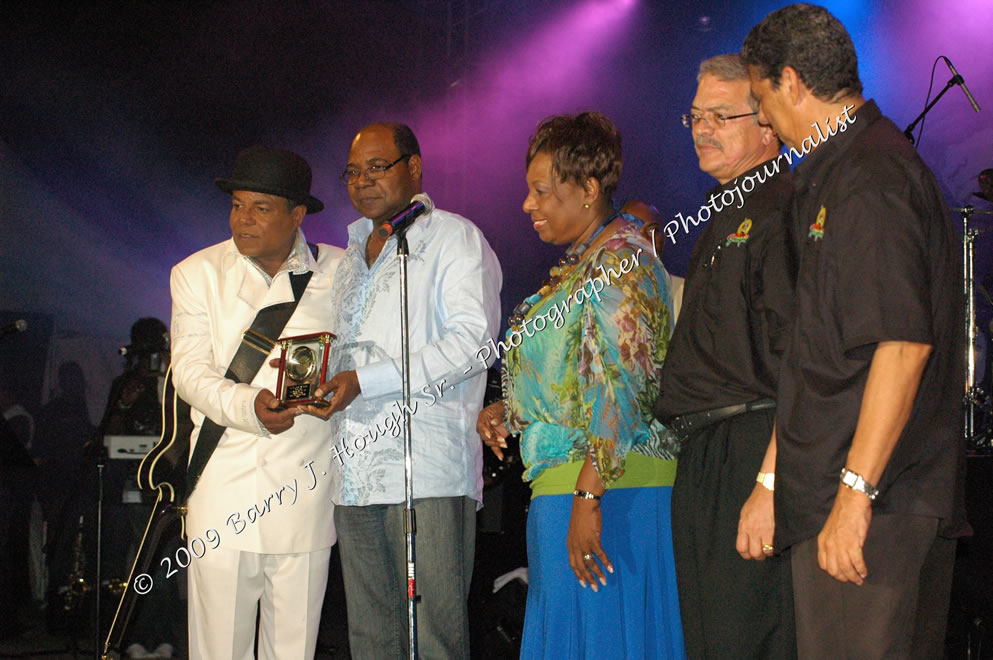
[[729, 68], [726, 67]]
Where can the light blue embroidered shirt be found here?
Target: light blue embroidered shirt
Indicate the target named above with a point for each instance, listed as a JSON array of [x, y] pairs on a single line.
[[454, 282]]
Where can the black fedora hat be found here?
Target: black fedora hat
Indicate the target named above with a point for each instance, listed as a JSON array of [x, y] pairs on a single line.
[[273, 172]]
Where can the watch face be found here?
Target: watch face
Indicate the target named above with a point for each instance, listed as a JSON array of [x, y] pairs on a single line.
[[855, 481]]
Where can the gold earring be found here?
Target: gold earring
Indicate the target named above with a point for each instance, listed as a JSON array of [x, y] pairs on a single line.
[[586, 206]]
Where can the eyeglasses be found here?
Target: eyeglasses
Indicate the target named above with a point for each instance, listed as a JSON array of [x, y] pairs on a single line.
[[372, 172], [715, 119]]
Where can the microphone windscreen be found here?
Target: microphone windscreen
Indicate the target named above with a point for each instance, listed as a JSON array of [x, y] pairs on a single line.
[[425, 200], [386, 229]]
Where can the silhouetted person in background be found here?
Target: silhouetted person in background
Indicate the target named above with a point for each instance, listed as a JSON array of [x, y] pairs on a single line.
[[20, 420], [63, 428], [18, 475], [134, 406], [18, 482], [63, 425]]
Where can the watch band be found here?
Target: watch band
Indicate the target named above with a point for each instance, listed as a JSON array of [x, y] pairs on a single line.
[[855, 481], [767, 479]]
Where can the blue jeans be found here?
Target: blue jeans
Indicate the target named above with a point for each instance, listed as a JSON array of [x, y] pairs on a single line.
[[374, 565]]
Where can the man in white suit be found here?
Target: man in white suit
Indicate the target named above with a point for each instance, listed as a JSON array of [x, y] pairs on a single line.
[[262, 492]]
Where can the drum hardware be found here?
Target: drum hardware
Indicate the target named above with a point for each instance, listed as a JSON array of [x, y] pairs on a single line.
[[975, 399]]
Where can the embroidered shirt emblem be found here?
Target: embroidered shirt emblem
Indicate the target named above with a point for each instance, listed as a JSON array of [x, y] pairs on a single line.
[[740, 237], [817, 229]]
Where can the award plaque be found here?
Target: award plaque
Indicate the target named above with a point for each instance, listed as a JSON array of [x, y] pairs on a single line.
[[303, 365]]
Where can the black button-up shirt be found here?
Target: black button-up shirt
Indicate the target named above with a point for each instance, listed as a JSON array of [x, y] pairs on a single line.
[[738, 298], [880, 263]]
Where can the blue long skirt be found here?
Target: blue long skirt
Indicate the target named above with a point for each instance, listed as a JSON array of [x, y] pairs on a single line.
[[636, 615]]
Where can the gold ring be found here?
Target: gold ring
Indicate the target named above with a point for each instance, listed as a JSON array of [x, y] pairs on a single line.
[[587, 557], [767, 549]]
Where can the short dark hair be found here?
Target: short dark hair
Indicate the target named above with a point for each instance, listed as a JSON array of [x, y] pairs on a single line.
[[405, 140], [584, 146], [813, 42]]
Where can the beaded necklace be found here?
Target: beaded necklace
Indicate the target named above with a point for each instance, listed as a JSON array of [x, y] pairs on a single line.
[[567, 263]]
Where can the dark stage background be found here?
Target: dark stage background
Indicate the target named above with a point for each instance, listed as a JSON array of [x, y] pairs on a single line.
[[116, 118]]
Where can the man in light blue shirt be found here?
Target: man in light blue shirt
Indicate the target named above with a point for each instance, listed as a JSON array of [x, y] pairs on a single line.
[[454, 286]]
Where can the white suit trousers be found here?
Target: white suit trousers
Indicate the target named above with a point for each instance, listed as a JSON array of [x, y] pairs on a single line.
[[227, 586]]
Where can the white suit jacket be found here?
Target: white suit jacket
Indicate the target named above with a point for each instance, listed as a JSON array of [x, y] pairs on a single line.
[[260, 493]]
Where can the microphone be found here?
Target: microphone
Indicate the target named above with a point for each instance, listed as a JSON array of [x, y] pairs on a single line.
[[419, 204], [20, 325], [960, 81]]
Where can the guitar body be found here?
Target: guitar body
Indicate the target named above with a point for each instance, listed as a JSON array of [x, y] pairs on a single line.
[[164, 467], [162, 470]]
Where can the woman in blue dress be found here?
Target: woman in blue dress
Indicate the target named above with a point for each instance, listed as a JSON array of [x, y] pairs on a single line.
[[580, 377]]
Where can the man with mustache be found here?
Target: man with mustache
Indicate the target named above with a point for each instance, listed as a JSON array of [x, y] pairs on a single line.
[[719, 381]]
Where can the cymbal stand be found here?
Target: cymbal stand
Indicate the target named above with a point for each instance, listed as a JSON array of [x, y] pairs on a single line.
[[975, 398]]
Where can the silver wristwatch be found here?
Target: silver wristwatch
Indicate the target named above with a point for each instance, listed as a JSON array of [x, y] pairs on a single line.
[[855, 481]]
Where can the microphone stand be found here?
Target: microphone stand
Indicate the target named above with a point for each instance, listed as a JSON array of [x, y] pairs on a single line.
[[409, 521], [909, 131], [99, 574]]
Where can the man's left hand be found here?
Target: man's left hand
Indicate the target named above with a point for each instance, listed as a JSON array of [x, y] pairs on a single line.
[[344, 387], [839, 545], [756, 525]]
